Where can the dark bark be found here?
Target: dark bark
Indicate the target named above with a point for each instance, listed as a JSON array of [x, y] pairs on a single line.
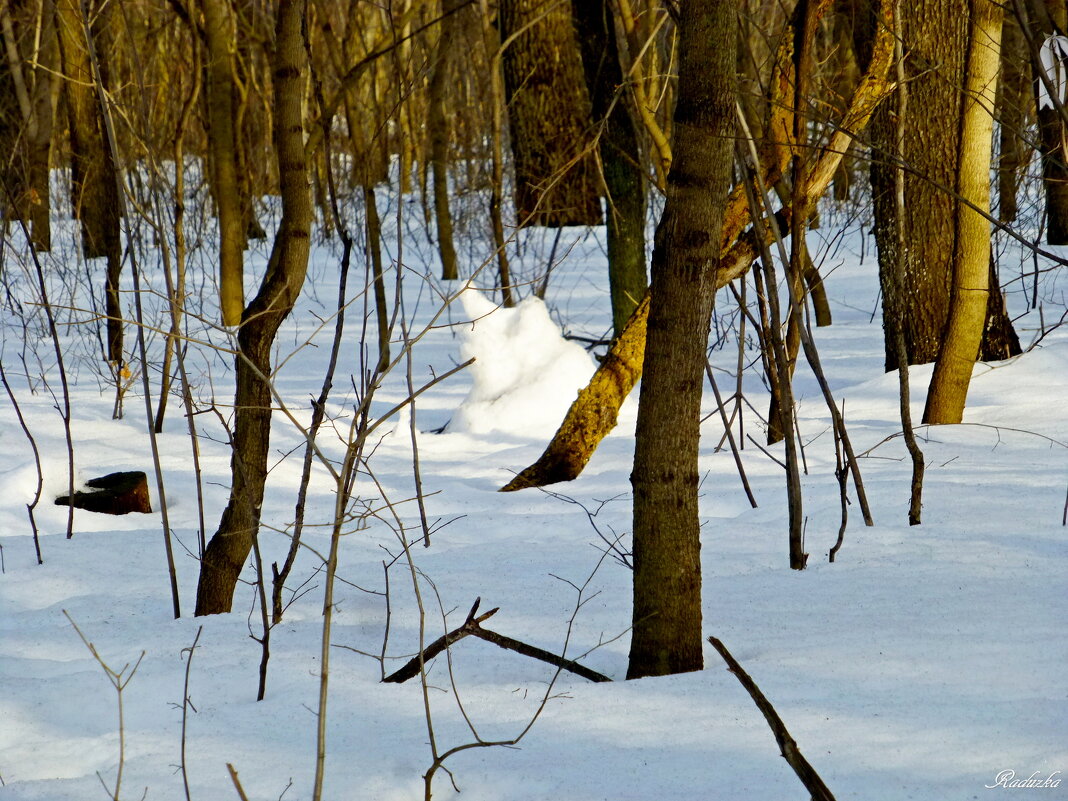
[[438, 132], [666, 635], [621, 161], [286, 269], [548, 114], [94, 192], [1015, 101]]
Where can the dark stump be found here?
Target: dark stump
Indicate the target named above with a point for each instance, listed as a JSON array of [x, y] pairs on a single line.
[[113, 494]]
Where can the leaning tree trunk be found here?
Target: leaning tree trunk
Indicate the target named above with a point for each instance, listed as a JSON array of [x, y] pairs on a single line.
[[548, 114], [971, 257], [94, 192], [621, 161], [286, 269], [666, 635]]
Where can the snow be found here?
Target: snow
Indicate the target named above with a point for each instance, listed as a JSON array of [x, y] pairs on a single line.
[[920, 665], [525, 374]]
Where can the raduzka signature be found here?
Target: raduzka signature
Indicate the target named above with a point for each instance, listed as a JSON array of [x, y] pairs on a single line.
[[1008, 779]]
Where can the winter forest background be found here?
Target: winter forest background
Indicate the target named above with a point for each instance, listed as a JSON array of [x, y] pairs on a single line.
[[624, 399]]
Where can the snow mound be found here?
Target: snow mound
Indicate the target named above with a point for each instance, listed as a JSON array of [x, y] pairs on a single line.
[[525, 373]]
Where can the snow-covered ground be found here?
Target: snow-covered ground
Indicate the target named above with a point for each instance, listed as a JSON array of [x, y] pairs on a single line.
[[922, 664]]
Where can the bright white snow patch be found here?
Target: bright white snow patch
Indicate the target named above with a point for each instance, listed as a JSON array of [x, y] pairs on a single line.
[[525, 374]]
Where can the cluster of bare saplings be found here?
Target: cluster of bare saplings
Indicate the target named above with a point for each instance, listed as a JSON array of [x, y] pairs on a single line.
[[730, 119]]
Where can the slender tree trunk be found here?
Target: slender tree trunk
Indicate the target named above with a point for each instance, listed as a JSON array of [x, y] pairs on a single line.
[[220, 37], [438, 125], [666, 635], [1015, 99], [286, 269], [549, 115], [1045, 18], [621, 160], [971, 259], [94, 195]]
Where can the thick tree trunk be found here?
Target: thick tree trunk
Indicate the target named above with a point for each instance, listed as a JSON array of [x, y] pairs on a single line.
[[936, 36], [621, 159], [549, 115], [222, 142], [936, 39], [286, 269], [971, 257], [666, 634]]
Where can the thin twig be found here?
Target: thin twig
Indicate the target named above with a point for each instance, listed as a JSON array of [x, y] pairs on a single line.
[[787, 745]]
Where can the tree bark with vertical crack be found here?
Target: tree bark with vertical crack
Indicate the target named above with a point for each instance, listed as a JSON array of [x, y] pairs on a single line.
[[286, 269], [666, 635]]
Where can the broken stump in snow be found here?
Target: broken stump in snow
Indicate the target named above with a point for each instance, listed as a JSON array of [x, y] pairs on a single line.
[[113, 494]]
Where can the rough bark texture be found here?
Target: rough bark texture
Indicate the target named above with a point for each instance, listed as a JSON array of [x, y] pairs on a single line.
[[936, 36], [94, 194], [621, 160], [666, 633], [222, 142], [230, 546], [971, 257], [936, 41], [549, 115]]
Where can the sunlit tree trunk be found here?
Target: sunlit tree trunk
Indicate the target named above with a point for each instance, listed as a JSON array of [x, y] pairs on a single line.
[[220, 37], [286, 269], [666, 634], [971, 257]]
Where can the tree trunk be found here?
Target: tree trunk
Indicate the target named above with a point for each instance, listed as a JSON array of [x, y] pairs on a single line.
[[971, 257], [94, 195], [1047, 17], [286, 269], [936, 37], [621, 159], [1015, 99], [593, 414], [222, 141], [549, 115], [666, 634], [438, 131]]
